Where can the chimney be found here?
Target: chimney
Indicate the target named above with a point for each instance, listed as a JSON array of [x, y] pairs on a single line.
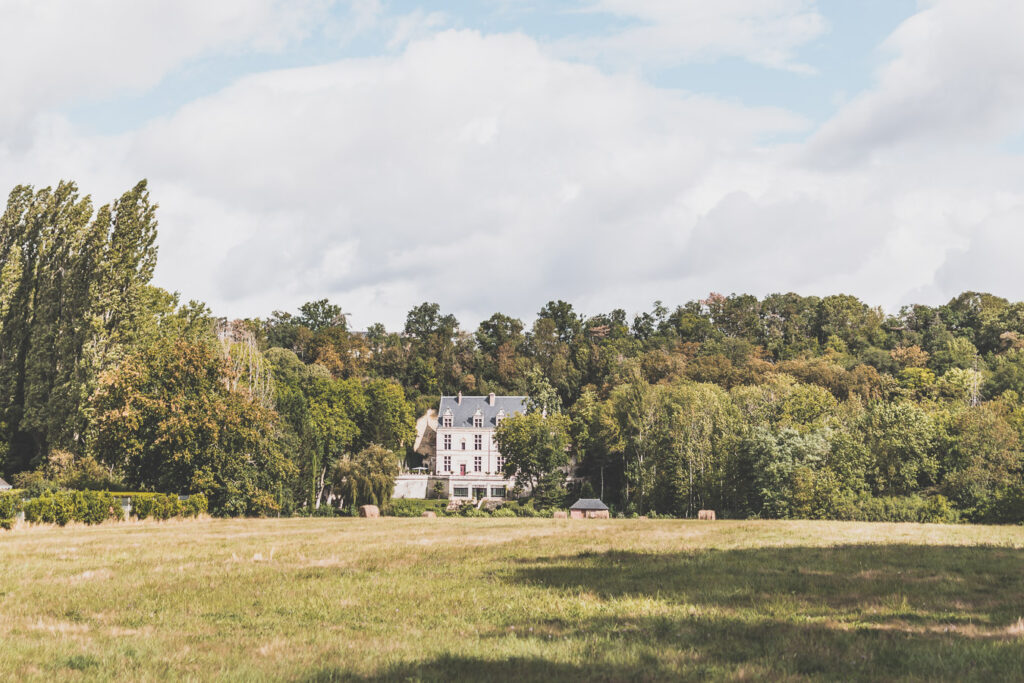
[[458, 399], [490, 398]]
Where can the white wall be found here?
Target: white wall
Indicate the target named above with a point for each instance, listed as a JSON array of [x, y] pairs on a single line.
[[410, 486]]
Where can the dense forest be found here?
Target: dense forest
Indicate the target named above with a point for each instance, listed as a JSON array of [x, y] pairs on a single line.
[[786, 406]]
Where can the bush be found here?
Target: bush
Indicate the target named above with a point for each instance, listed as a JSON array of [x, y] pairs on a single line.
[[196, 505], [158, 506], [934, 509], [525, 510], [10, 506], [88, 507], [415, 507], [34, 484], [504, 511]]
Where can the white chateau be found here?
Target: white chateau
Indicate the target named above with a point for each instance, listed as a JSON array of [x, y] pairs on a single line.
[[461, 456]]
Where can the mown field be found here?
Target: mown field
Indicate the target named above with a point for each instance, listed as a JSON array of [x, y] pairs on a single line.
[[502, 599]]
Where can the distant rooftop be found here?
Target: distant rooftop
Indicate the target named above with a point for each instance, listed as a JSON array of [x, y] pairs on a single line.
[[588, 504], [4, 486], [462, 411]]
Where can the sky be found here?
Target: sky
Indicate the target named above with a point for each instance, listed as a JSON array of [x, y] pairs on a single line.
[[492, 155]]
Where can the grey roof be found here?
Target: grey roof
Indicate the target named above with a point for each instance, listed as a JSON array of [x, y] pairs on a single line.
[[4, 485], [462, 413], [588, 504]]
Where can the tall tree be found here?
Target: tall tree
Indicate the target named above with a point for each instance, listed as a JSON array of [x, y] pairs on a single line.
[[73, 293]]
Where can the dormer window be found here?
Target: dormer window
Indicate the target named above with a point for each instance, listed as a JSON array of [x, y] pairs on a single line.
[[446, 420], [499, 418], [478, 420]]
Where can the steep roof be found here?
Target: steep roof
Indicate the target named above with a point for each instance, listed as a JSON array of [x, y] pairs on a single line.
[[588, 504], [462, 413], [4, 485]]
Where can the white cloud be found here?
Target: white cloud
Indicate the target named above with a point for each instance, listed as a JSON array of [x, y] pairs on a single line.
[[477, 168], [63, 51], [671, 32], [956, 79], [484, 173]]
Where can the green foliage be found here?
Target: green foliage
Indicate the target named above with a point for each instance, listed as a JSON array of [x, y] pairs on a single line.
[[168, 419], [534, 447], [413, 507], [88, 507], [367, 477], [10, 506], [71, 299], [915, 508]]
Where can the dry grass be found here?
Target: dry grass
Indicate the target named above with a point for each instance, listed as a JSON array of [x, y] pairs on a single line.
[[438, 599]]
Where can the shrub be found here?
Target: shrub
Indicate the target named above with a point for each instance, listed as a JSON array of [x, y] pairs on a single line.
[[10, 506], [196, 505], [158, 506], [34, 484], [934, 509], [504, 511], [414, 507], [88, 507], [525, 511]]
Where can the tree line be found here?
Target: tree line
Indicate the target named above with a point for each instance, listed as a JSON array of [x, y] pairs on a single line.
[[781, 406]]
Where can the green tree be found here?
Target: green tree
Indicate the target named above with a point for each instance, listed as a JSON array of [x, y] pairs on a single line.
[[166, 419], [366, 477], [535, 452], [73, 288], [901, 437]]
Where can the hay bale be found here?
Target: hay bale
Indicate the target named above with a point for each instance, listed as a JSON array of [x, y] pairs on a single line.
[[706, 514], [559, 514], [369, 511], [429, 513], [598, 514]]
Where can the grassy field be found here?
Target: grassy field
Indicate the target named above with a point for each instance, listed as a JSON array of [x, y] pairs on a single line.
[[524, 599]]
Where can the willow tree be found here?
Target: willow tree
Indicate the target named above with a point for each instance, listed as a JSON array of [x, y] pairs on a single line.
[[72, 291], [367, 477]]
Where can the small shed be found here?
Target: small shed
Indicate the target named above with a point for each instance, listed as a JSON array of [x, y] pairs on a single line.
[[4, 486], [588, 508]]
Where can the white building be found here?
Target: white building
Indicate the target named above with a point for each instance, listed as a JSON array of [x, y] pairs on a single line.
[[465, 462]]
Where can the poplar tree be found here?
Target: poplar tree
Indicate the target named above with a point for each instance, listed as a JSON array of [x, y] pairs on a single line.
[[72, 291]]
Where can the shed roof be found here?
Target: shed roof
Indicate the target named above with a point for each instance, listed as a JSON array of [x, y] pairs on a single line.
[[588, 504], [4, 486]]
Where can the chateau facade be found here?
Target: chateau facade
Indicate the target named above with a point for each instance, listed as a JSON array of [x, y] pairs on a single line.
[[465, 462]]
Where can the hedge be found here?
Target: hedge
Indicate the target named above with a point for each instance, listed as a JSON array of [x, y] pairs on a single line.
[[165, 506], [89, 507], [10, 506], [96, 507], [415, 507]]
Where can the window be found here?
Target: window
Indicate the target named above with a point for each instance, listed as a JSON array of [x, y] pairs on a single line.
[[446, 421], [461, 492], [478, 442], [478, 420], [478, 463], [447, 463], [500, 417], [463, 444], [447, 442], [501, 463], [498, 492]]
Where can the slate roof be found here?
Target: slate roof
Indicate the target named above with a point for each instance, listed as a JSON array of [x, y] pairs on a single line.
[[4, 486], [588, 504], [462, 414]]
